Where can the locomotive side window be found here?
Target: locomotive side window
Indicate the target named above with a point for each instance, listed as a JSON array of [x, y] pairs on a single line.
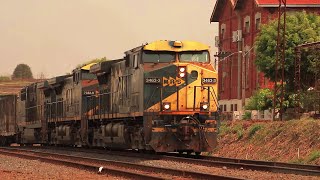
[[157, 57], [194, 56], [135, 61]]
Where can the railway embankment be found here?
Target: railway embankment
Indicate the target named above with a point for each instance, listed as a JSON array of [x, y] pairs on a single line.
[[294, 141]]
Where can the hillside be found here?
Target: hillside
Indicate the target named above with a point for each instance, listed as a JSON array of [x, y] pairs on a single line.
[[295, 141], [14, 86]]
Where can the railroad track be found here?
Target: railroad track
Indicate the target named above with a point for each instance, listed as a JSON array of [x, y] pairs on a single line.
[[278, 167], [212, 161], [117, 168]]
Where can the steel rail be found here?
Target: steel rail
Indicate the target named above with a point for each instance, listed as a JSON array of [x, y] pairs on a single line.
[[83, 165], [279, 167], [214, 161], [126, 165]]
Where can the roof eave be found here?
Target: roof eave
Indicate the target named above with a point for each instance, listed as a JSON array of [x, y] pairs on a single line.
[[213, 18]]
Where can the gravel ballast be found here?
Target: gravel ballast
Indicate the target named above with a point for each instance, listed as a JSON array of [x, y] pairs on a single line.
[[18, 169]]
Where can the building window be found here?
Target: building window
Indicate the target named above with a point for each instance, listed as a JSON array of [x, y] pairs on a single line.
[[258, 21], [231, 107], [247, 27], [224, 74], [247, 24], [257, 18], [235, 107], [247, 65], [225, 107], [222, 31], [221, 108]]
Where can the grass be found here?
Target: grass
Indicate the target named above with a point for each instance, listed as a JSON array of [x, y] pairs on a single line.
[[267, 139], [253, 129], [238, 129], [314, 155], [240, 134], [297, 161], [224, 129]]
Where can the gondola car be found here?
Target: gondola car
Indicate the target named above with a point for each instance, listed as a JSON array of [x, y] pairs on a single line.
[[7, 119]]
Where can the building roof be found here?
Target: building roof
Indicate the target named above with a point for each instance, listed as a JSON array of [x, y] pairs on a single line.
[[261, 3], [290, 3]]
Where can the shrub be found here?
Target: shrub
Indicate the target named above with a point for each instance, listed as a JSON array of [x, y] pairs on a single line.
[[224, 129], [254, 129], [246, 115], [261, 100], [240, 134]]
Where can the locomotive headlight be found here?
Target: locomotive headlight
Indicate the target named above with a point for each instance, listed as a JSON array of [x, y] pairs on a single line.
[[204, 106], [182, 71], [166, 106]]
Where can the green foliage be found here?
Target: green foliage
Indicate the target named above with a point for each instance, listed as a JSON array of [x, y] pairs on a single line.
[[4, 78], [253, 129], [97, 60], [308, 99], [313, 156], [238, 129], [224, 129], [261, 100], [247, 115], [297, 161], [22, 71], [300, 28]]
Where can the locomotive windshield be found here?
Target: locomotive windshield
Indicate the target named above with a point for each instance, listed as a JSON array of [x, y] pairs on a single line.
[[194, 56], [158, 56]]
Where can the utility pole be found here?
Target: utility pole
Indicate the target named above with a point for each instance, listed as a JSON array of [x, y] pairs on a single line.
[[280, 60]]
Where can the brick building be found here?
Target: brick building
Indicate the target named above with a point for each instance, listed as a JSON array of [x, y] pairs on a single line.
[[239, 24]]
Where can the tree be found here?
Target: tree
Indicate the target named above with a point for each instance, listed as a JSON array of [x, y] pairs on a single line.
[[4, 78], [261, 100], [300, 28], [22, 71]]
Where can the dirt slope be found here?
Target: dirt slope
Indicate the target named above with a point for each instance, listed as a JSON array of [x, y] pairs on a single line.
[[295, 141]]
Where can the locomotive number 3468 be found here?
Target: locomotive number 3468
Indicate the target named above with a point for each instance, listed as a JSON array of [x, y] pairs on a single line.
[[152, 80]]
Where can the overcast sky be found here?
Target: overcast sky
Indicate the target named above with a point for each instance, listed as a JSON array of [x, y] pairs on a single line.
[[53, 36]]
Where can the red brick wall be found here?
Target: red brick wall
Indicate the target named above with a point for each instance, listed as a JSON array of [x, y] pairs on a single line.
[[229, 67]]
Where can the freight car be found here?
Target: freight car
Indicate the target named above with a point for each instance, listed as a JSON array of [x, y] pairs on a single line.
[[7, 119], [161, 97]]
